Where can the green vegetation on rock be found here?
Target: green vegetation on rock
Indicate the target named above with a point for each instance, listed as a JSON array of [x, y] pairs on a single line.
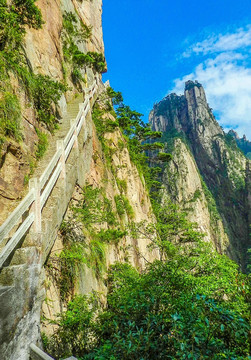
[[191, 304], [92, 226], [42, 91], [139, 138], [42, 144], [10, 113], [75, 32]]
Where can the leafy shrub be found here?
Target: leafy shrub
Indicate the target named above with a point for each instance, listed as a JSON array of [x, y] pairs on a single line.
[[196, 195], [154, 146], [13, 18], [119, 205], [70, 25], [103, 125], [96, 258], [42, 144], [73, 335], [111, 236], [10, 113], [71, 37], [28, 13], [128, 207], [116, 96], [123, 206], [97, 61], [45, 92], [77, 77], [164, 157], [122, 185]]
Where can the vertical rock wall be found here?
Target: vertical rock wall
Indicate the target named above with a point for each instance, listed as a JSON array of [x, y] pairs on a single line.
[[43, 50], [106, 174]]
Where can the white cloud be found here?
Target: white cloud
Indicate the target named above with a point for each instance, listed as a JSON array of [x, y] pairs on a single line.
[[240, 39], [226, 78]]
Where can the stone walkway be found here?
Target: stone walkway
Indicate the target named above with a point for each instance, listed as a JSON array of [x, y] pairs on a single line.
[[65, 124]]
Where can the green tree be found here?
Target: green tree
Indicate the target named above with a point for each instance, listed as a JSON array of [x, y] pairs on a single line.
[[191, 304]]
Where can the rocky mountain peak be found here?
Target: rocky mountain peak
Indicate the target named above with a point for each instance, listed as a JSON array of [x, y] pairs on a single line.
[[188, 113], [219, 161], [192, 84], [195, 96]]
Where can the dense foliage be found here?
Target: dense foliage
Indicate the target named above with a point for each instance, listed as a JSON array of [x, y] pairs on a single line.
[[140, 138], [192, 304], [13, 18], [95, 213]]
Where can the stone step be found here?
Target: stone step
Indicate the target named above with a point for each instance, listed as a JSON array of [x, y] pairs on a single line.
[[72, 111], [18, 298]]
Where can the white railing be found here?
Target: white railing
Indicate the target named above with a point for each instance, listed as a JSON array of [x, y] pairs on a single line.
[[37, 354], [29, 211]]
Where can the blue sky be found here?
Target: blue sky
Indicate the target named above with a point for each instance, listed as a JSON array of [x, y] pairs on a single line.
[[153, 46]]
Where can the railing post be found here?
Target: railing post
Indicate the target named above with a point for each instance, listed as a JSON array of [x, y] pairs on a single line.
[[35, 184], [75, 134], [87, 91], [60, 146]]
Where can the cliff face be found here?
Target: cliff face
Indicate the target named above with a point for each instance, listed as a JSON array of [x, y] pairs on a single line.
[[43, 50], [183, 185], [113, 201], [217, 162], [44, 47]]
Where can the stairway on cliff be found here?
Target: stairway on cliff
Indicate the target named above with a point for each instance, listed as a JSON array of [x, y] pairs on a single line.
[[21, 288], [65, 124]]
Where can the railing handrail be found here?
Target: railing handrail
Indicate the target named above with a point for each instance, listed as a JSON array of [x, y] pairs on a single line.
[[40, 189], [37, 354]]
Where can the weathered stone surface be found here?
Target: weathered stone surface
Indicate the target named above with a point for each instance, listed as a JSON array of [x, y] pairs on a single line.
[[91, 14], [44, 52], [100, 175], [20, 308], [182, 184]]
